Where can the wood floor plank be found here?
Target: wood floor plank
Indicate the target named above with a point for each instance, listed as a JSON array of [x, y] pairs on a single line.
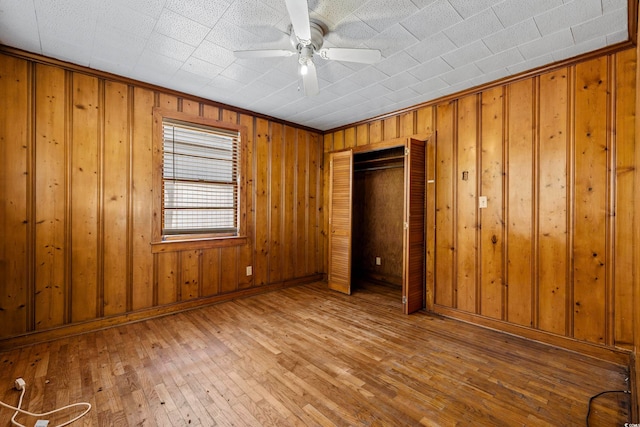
[[309, 356]]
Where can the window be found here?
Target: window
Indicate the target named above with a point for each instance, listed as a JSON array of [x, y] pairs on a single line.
[[200, 177]]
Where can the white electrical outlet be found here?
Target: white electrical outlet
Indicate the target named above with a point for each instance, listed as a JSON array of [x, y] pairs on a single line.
[[249, 270], [378, 260], [482, 202]]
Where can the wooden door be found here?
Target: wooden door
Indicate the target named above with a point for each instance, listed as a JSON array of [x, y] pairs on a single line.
[[340, 202], [414, 220]]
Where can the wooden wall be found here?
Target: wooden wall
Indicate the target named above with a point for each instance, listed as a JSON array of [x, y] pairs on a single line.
[[554, 154], [76, 201]]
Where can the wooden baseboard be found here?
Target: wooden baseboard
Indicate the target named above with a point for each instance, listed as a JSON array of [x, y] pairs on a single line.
[[614, 355], [140, 315]]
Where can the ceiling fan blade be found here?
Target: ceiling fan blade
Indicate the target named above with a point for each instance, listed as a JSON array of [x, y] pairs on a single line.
[[310, 80], [299, 14], [263, 53], [365, 56]]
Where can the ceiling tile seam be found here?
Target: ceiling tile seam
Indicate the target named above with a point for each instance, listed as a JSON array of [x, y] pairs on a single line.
[[35, 12]]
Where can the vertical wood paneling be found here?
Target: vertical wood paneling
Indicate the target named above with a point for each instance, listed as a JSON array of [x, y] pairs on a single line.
[[142, 199], [85, 164], [51, 152], [407, 124], [78, 202], [375, 131], [322, 220], [170, 102], [211, 267], [350, 137], [491, 217], [590, 239], [519, 211], [338, 140], [276, 196], [362, 134], [261, 255], [230, 269], [115, 197], [390, 128], [191, 107], [324, 209], [301, 203], [424, 120], [245, 254], [445, 207], [167, 276], [552, 206], [558, 148], [328, 142], [624, 211], [466, 196], [211, 112], [189, 274], [289, 199], [430, 226], [14, 143], [312, 226]]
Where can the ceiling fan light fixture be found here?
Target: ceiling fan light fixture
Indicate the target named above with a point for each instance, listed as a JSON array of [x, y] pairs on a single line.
[[307, 37], [306, 55]]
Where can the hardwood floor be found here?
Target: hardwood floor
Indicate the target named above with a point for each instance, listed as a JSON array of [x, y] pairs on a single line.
[[310, 356]]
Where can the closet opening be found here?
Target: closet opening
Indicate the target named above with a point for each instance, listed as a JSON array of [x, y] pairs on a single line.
[[377, 219], [378, 212]]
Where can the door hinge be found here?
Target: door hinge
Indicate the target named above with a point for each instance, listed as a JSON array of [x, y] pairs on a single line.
[[406, 151], [406, 225], [404, 299]]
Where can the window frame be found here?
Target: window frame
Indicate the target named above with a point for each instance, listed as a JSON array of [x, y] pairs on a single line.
[[169, 243]]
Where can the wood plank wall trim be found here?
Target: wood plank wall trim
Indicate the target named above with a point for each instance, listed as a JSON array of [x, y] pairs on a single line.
[[553, 154], [77, 218]]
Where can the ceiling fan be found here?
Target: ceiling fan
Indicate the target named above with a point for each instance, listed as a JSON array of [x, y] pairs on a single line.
[[307, 37]]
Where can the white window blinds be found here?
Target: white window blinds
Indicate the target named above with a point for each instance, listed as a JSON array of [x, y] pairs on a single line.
[[200, 179]]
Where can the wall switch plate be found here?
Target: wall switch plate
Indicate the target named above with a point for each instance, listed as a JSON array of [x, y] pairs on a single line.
[[482, 202], [378, 260], [249, 270]]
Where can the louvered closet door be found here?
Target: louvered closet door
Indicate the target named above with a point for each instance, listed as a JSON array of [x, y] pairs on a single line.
[[340, 201], [414, 219]]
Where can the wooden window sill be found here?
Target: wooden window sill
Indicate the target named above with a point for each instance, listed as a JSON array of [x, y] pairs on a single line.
[[193, 244]]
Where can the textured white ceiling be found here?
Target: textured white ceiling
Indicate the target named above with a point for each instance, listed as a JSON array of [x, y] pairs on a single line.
[[430, 48]]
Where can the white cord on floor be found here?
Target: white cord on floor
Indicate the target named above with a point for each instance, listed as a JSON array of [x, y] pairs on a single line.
[[22, 411]]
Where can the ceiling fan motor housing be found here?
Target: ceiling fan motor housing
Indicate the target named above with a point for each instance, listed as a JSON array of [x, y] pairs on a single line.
[[317, 38]]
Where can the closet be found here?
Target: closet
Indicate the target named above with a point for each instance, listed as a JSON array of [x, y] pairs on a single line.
[[344, 168]]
